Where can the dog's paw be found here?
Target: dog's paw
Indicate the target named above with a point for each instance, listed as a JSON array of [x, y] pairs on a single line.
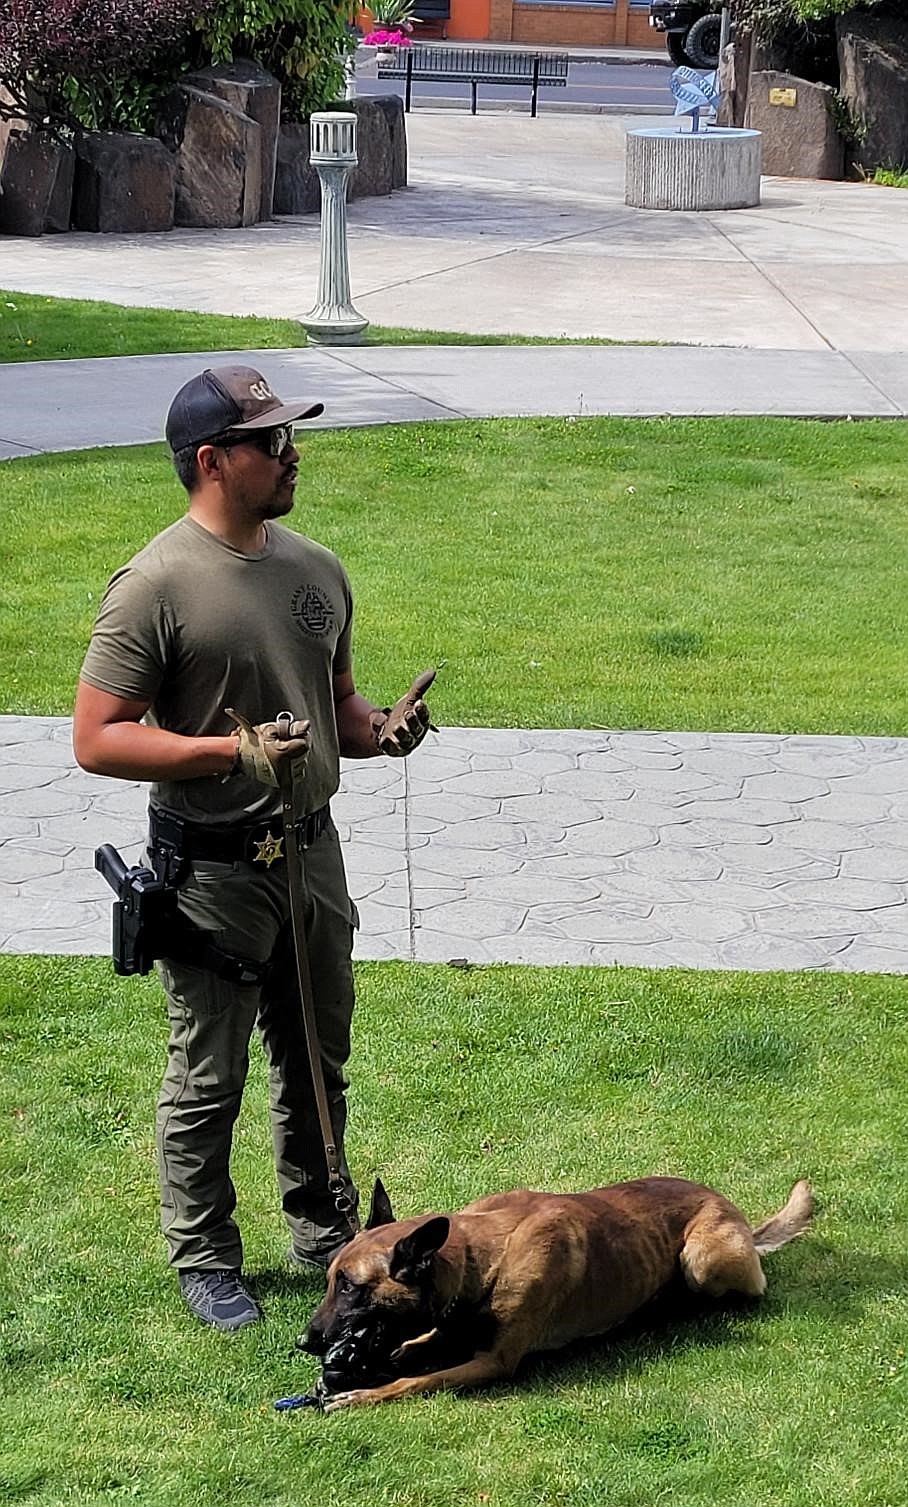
[[339, 1400]]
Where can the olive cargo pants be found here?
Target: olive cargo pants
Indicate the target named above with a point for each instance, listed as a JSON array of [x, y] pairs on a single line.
[[246, 908]]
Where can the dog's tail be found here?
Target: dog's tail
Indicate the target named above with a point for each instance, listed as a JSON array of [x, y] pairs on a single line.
[[788, 1223]]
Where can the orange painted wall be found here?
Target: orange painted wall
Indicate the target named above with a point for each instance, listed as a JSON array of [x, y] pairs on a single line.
[[470, 20], [594, 26], [544, 25]]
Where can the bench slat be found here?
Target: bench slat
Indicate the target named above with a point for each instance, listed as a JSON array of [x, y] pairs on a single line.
[[466, 63], [472, 65]]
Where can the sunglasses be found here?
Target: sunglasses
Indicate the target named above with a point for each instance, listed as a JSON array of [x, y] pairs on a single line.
[[271, 442]]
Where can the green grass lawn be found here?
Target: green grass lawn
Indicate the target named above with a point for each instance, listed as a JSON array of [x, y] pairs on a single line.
[[727, 574], [34, 327], [466, 1082]]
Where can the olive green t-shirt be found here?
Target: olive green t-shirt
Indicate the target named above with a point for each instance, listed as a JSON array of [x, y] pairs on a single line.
[[192, 625]]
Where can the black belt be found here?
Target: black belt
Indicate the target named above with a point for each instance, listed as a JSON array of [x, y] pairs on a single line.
[[262, 844]]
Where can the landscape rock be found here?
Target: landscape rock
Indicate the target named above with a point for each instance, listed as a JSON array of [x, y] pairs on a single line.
[[873, 66], [373, 172], [805, 48], [297, 190], [392, 107], [800, 138], [733, 81], [256, 93], [218, 159], [123, 182], [36, 184], [381, 145]]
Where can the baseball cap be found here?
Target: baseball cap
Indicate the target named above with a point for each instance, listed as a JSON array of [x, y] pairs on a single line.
[[229, 397]]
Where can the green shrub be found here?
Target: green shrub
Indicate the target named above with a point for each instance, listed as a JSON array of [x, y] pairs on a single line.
[[302, 42], [775, 13], [892, 177], [98, 64]]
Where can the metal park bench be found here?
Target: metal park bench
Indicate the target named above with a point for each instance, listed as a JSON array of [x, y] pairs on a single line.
[[477, 65]]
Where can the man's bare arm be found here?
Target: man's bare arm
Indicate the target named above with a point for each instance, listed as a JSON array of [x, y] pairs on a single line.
[[109, 737], [364, 729], [355, 719]]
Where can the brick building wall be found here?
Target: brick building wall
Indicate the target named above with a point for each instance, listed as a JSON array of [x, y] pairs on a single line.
[[618, 23]]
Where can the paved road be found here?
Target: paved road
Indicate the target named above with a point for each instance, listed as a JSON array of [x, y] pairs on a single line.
[[590, 86]]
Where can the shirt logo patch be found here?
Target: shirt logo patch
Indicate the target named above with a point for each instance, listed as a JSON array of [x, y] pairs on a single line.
[[313, 611]]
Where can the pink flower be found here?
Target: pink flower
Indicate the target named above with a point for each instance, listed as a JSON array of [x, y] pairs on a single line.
[[387, 39]]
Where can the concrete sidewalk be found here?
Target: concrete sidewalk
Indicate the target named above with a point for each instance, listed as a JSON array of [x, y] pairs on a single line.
[[519, 226], [693, 849], [63, 405]]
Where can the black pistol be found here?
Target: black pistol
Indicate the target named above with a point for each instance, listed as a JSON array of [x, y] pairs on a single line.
[[142, 910]]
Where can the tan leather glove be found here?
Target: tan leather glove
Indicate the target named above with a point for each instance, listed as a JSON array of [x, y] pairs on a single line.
[[399, 728], [271, 752]]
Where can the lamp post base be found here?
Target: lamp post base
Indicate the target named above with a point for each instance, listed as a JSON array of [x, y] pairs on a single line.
[[345, 330]]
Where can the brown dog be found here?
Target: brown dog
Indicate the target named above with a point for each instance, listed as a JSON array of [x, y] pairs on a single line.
[[458, 1300]]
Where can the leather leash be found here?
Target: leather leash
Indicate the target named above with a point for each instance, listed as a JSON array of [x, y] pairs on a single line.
[[342, 1201]]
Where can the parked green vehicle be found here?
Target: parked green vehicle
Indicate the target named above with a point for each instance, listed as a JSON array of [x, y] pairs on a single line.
[[692, 30]]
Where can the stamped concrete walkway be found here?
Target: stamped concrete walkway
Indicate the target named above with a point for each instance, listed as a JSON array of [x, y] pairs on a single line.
[[700, 849]]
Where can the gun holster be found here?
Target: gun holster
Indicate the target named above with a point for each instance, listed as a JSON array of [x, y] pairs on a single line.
[[147, 921]]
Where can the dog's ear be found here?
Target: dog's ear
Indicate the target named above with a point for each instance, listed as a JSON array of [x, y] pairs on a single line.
[[380, 1210], [413, 1253]]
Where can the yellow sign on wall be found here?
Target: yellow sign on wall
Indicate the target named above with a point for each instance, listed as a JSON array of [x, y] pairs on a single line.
[[787, 97]]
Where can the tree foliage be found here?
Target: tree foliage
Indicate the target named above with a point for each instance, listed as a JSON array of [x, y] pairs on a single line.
[[775, 13], [816, 10], [302, 42], [95, 63], [103, 64]]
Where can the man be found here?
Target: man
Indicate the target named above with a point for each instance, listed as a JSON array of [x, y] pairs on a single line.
[[229, 609]]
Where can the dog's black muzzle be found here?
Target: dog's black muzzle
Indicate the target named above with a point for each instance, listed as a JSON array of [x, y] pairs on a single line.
[[357, 1355]]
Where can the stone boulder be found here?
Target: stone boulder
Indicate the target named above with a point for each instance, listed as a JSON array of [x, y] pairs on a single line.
[[800, 137], [733, 81], [381, 146], [218, 157], [373, 172], [873, 70], [256, 93], [36, 184], [297, 190], [805, 48], [8, 128], [392, 108], [123, 182]]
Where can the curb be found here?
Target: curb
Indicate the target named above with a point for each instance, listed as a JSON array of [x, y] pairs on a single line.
[[505, 107]]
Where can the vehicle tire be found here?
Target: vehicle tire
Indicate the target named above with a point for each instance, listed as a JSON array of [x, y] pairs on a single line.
[[702, 41], [674, 41]]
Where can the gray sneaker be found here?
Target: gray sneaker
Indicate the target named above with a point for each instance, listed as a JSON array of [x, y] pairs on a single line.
[[219, 1299]]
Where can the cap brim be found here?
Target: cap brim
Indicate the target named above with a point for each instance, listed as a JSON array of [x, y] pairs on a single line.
[[286, 413]]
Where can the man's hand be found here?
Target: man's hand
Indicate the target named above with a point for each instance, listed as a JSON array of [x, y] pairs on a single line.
[[271, 752], [398, 729]]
